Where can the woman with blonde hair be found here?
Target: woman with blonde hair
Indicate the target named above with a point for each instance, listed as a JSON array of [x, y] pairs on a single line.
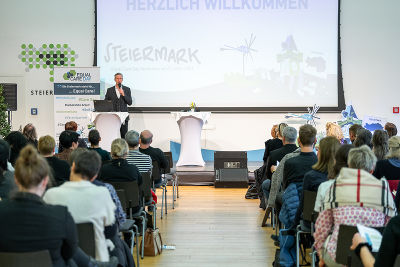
[[333, 129]]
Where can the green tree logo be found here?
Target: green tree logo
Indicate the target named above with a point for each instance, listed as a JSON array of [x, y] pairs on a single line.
[[69, 75]]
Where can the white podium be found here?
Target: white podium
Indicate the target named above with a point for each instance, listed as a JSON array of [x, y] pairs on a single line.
[[190, 124], [108, 124]]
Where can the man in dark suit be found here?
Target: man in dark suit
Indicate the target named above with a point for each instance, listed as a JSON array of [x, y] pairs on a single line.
[[121, 97]]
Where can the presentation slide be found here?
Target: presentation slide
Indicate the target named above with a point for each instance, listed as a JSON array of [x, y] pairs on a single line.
[[221, 53]]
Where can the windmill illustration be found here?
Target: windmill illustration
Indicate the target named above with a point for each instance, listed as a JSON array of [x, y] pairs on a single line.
[[245, 49], [309, 117]]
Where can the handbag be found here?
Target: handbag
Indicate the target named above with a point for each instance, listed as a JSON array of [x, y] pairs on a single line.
[[152, 242]]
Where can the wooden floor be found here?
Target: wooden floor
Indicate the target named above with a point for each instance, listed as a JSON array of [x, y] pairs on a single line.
[[213, 227]]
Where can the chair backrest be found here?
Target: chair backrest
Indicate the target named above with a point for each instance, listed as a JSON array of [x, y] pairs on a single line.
[[86, 238], [146, 185], [131, 190], [122, 198], [309, 203], [155, 174], [168, 155], [22, 259]]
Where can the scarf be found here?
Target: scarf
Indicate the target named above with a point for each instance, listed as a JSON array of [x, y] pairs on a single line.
[[356, 187]]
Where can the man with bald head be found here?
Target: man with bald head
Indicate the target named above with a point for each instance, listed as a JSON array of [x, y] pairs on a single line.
[[145, 140]]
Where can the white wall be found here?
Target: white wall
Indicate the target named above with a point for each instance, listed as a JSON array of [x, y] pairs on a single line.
[[370, 61]]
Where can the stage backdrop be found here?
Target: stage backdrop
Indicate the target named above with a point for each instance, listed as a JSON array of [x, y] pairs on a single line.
[[74, 91]]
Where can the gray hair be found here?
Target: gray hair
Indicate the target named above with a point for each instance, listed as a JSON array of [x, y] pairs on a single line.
[[119, 148], [132, 138], [361, 158], [394, 148], [290, 134]]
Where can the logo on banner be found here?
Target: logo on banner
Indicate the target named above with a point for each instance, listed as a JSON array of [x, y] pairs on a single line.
[[72, 75], [47, 56]]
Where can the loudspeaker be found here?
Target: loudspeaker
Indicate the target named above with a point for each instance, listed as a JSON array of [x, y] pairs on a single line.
[[230, 169], [10, 95]]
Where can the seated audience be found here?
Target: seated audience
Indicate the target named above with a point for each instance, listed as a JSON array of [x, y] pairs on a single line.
[[364, 137], [145, 140], [69, 141], [140, 160], [94, 139], [340, 162], [86, 201], [17, 142], [30, 134], [333, 129], [297, 167], [73, 126], [353, 132], [388, 251], [275, 142], [380, 145], [356, 197], [60, 169], [289, 145], [7, 183], [391, 129], [28, 224]]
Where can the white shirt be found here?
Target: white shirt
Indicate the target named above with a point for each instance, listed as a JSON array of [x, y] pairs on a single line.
[[87, 203], [322, 189], [117, 91]]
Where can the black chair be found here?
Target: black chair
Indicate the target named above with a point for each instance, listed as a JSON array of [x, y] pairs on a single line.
[[22, 259], [86, 238], [132, 200], [155, 175], [147, 196], [129, 225], [173, 177]]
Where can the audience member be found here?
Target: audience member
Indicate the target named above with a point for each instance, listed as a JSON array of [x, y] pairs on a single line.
[[60, 169], [94, 139], [364, 137], [391, 129], [380, 145], [353, 132], [30, 134], [86, 201], [140, 160], [28, 224], [146, 138], [340, 162], [69, 141], [72, 126], [275, 142], [289, 145], [7, 183], [17, 142], [333, 129], [356, 197], [296, 167], [388, 251]]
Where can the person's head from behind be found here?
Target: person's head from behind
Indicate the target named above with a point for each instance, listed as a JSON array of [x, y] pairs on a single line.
[[4, 155], [341, 158], [394, 148], [17, 141], [364, 137], [94, 137], [274, 129], [31, 171], [71, 126], [307, 134], [85, 164], [328, 147], [279, 130], [30, 132], [289, 135], [391, 129], [132, 138], [146, 138], [353, 131], [362, 158], [119, 148], [46, 145], [380, 145], [69, 139], [333, 129]]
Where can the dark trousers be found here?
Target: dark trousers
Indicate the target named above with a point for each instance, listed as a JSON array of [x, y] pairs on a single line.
[[124, 128]]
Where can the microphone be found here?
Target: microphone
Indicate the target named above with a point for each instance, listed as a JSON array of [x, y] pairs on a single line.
[[119, 85]]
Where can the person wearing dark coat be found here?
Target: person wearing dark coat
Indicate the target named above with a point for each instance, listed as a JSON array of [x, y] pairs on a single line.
[[275, 143]]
